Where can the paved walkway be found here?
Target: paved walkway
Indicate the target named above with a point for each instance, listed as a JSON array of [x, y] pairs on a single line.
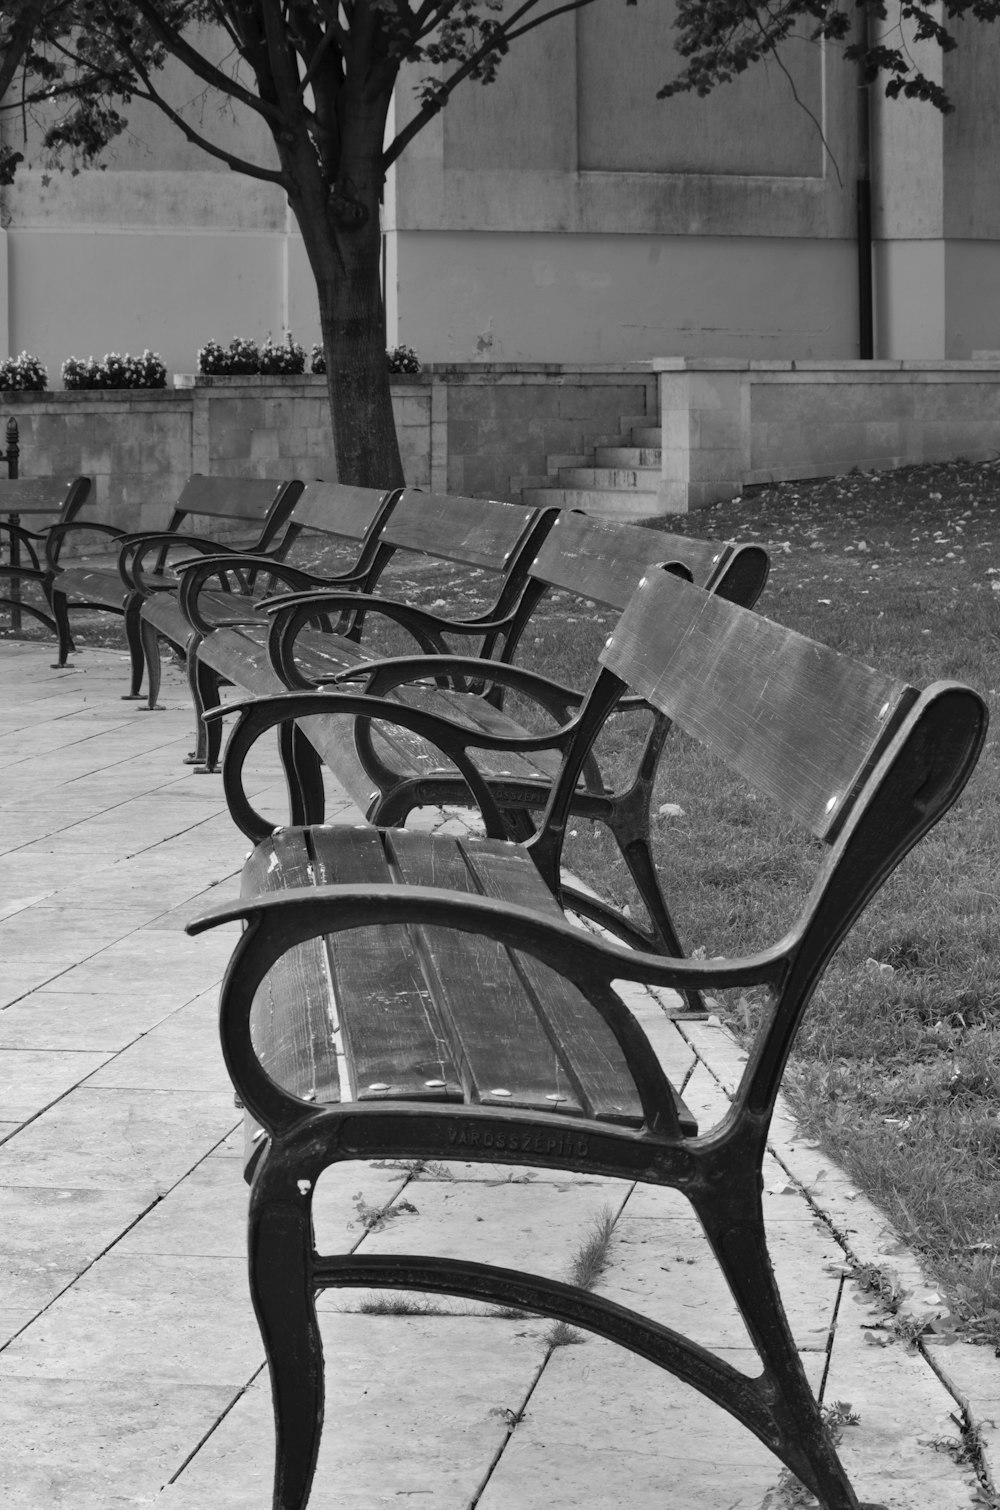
[[130, 1370]]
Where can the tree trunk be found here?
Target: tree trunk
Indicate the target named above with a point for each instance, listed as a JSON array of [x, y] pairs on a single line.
[[357, 374], [343, 240]]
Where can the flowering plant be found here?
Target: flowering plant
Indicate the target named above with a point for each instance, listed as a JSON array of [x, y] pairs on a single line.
[[240, 359], [115, 371], [23, 373], [403, 359], [243, 358], [287, 357], [399, 359]]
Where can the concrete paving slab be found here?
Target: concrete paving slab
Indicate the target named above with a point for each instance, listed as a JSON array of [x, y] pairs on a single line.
[[606, 1429], [422, 1428], [906, 1447], [32, 1079], [14, 1320], [181, 1053], [148, 1316], [538, 1227], [57, 1017], [18, 980], [51, 1236], [94, 1139], [99, 1444]]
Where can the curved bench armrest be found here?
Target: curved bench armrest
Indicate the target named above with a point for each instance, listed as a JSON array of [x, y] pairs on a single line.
[[453, 739]]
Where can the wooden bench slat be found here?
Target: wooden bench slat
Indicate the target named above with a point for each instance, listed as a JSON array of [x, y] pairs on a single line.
[[480, 987], [581, 1038], [296, 1049], [395, 1046]]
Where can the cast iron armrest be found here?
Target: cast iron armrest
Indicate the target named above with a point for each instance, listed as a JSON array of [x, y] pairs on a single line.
[[55, 534], [291, 614], [196, 572], [454, 740], [26, 538], [279, 921], [396, 671], [433, 622], [135, 548], [393, 671]]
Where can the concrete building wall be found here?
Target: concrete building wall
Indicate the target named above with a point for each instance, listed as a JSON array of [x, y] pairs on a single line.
[[565, 213], [560, 214], [163, 247]]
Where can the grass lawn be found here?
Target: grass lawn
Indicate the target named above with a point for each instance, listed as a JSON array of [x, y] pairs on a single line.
[[897, 1069]]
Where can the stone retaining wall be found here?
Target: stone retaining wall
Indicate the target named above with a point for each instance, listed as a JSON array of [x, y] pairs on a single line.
[[462, 429], [482, 429], [727, 425]]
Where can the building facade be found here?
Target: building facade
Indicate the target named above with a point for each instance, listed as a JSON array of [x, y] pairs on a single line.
[[562, 214]]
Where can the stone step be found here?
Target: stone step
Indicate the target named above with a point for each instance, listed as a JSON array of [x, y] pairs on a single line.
[[647, 435], [624, 503], [615, 479], [554, 462], [626, 456]]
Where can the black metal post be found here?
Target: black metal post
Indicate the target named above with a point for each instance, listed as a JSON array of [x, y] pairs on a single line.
[[13, 451], [12, 457]]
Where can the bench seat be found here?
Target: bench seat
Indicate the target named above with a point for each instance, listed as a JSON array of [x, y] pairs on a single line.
[[530, 1041]]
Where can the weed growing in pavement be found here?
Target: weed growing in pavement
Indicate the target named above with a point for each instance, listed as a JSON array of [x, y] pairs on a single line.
[[790, 1493], [589, 1263]]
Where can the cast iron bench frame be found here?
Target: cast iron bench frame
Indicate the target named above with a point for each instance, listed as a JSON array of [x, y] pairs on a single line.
[[483, 535], [455, 1046], [264, 504], [62, 496], [352, 515]]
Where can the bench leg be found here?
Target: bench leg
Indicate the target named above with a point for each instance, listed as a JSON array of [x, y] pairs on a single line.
[[303, 776], [60, 612], [150, 643], [204, 684], [133, 635], [280, 1240], [802, 1439]]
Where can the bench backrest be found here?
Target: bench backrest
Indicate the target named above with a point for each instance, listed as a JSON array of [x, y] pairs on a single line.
[[63, 497], [603, 562], [798, 721], [483, 534], [260, 501], [353, 514], [865, 762]]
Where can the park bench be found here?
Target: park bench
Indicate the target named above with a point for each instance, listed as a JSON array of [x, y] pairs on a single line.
[[493, 540], [390, 769], [260, 505], [400, 995], [353, 516], [58, 499]]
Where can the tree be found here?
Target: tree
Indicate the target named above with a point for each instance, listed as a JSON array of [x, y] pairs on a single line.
[[723, 38], [320, 74]]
